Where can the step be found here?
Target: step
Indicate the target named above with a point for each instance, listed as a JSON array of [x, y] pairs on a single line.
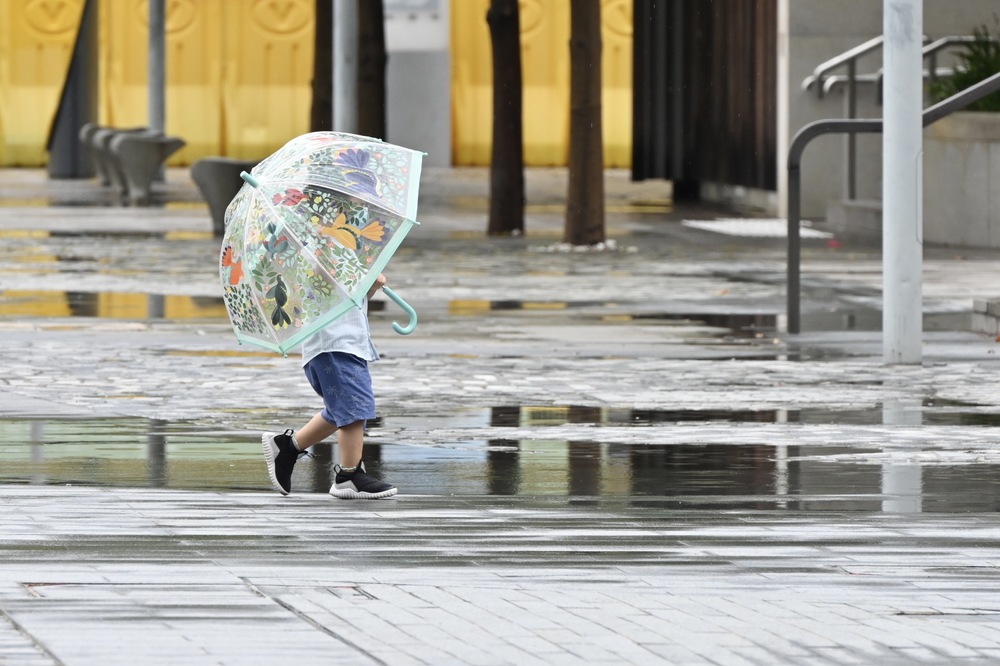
[[857, 221], [986, 315]]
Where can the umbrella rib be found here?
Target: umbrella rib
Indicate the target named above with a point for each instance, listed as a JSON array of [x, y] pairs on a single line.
[[317, 285], [319, 181]]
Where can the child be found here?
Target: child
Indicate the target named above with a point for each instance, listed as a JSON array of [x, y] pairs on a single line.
[[335, 361]]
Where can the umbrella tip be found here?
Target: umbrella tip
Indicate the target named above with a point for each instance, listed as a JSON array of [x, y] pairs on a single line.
[[250, 179]]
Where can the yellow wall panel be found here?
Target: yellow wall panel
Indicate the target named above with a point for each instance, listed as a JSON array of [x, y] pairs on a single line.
[[36, 42], [545, 31], [471, 96], [545, 63], [268, 54], [239, 75], [238, 72], [193, 70], [616, 79], [194, 76]]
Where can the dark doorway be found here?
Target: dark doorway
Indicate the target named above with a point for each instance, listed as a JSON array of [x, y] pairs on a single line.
[[705, 92]]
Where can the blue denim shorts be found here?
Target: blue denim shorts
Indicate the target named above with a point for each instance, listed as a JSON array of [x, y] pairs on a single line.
[[344, 383]]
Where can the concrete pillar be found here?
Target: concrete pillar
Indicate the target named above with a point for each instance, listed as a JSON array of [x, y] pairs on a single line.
[[78, 103], [345, 66], [902, 183], [157, 64]]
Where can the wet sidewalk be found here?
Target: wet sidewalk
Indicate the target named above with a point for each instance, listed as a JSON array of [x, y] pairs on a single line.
[[610, 457]]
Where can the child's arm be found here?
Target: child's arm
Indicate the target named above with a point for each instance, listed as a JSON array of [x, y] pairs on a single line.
[[378, 284]]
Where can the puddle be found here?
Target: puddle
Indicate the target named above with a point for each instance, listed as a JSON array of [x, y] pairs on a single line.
[[109, 305], [930, 413], [117, 305], [867, 319], [740, 325], [97, 237], [474, 306], [135, 452], [751, 325], [133, 235], [75, 197], [743, 327]]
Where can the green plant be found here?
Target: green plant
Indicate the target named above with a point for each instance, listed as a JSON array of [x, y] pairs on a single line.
[[978, 60]]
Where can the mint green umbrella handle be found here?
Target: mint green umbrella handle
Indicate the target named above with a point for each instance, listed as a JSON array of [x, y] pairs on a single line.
[[250, 179], [402, 330]]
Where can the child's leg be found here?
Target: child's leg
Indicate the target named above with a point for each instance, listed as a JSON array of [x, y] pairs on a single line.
[[352, 481], [314, 432], [351, 440]]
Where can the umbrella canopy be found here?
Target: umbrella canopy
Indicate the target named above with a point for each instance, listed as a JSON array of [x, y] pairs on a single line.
[[311, 230]]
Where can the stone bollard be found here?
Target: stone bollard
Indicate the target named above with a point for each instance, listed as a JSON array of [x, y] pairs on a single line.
[[219, 180], [140, 156]]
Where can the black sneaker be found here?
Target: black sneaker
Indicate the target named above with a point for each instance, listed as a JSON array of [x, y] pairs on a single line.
[[280, 455], [359, 485]]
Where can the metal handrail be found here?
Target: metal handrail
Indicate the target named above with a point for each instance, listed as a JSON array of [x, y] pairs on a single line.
[[824, 83], [932, 114], [835, 80], [821, 76], [846, 58], [932, 49], [850, 60], [930, 52]]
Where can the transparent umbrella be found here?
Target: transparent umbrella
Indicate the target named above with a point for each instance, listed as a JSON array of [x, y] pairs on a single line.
[[310, 231]]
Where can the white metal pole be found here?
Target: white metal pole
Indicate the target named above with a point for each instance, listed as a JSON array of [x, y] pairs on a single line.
[[345, 65], [157, 64], [902, 187]]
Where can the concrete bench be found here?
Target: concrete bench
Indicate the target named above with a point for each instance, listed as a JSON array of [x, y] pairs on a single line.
[[95, 139], [219, 180], [87, 144], [128, 160], [140, 156], [108, 172]]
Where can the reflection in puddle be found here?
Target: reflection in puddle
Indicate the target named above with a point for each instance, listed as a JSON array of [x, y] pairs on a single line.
[[836, 477], [732, 325], [474, 306], [107, 236], [739, 325], [109, 305], [960, 414], [116, 305]]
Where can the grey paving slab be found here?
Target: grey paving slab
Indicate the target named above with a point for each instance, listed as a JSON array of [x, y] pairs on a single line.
[[771, 531], [412, 603]]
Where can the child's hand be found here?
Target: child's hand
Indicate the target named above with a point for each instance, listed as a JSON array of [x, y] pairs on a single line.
[[378, 284]]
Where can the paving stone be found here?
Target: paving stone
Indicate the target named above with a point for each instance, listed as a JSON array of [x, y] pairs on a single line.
[[726, 573]]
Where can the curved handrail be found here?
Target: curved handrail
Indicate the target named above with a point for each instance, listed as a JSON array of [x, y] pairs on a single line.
[[825, 83], [831, 82], [804, 136], [945, 42], [844, 58], [828, 83], [930, 52]]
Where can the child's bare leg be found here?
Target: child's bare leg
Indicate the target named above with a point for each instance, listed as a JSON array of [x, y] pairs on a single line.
[[351, 439], [314, 432]]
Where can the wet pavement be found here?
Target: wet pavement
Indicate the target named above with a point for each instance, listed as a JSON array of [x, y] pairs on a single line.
[[610, 457]]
